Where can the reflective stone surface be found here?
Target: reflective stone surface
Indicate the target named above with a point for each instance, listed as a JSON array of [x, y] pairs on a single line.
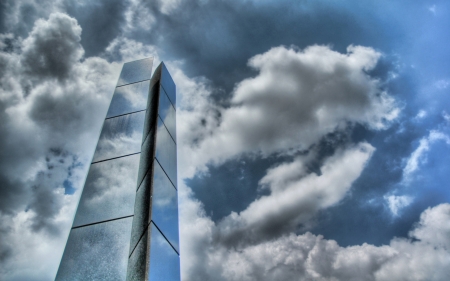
[[167, 113], [151, 114], [136, 71], [129, 98], [136, 263], [141, 217], [164, 261], [166, 152], [109, 191], [165, 206], [120, 136], [169, 85], [146, 156], [97, 252]]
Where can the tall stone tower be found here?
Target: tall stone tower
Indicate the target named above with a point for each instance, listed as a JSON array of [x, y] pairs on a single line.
[[126, 224]]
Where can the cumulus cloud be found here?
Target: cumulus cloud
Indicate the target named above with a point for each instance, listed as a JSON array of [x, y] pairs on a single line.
[[295, 196], [22, 14], [52, 103], [434, 226], [44, 105], [34, 255], [52, 48], [297, 97], [422, 256], [124, 49], [295, 100]]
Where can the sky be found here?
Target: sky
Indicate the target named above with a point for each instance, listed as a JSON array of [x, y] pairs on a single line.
[[313, 136]]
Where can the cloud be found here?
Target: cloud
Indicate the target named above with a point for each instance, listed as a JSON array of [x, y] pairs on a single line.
[[418, 156], [19, 16], [124, 49], [295, 100], [422, 256], [434, 226], [34, 255], [432, 9], [446, 116], [52, 48], [167, 6], [297, 97], [138, 15], [295, 196], [421, 114], [442, 84], [52, 102], [310, 257], [396, 203]]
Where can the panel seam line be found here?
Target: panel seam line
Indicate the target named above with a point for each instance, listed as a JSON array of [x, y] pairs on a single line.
[[165, 237], [89, 224], [107, 118], [115, 158]]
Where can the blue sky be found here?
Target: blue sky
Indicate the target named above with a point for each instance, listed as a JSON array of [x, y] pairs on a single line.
[[313, 135]]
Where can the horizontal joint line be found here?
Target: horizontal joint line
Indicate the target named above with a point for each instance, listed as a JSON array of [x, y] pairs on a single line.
[[89, 224]]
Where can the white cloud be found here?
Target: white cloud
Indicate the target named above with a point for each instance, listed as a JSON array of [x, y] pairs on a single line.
[[311, 257], [413, 162], [297, 98], [442, 84], [295, 197], [35, 255], [432, 9], [421, 114], [446, 116], [197, 118], [129, 50], [52, 103], [22, 14], [138, 15], [419, 155], [396, 203], [168, 6], [434, 226]]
